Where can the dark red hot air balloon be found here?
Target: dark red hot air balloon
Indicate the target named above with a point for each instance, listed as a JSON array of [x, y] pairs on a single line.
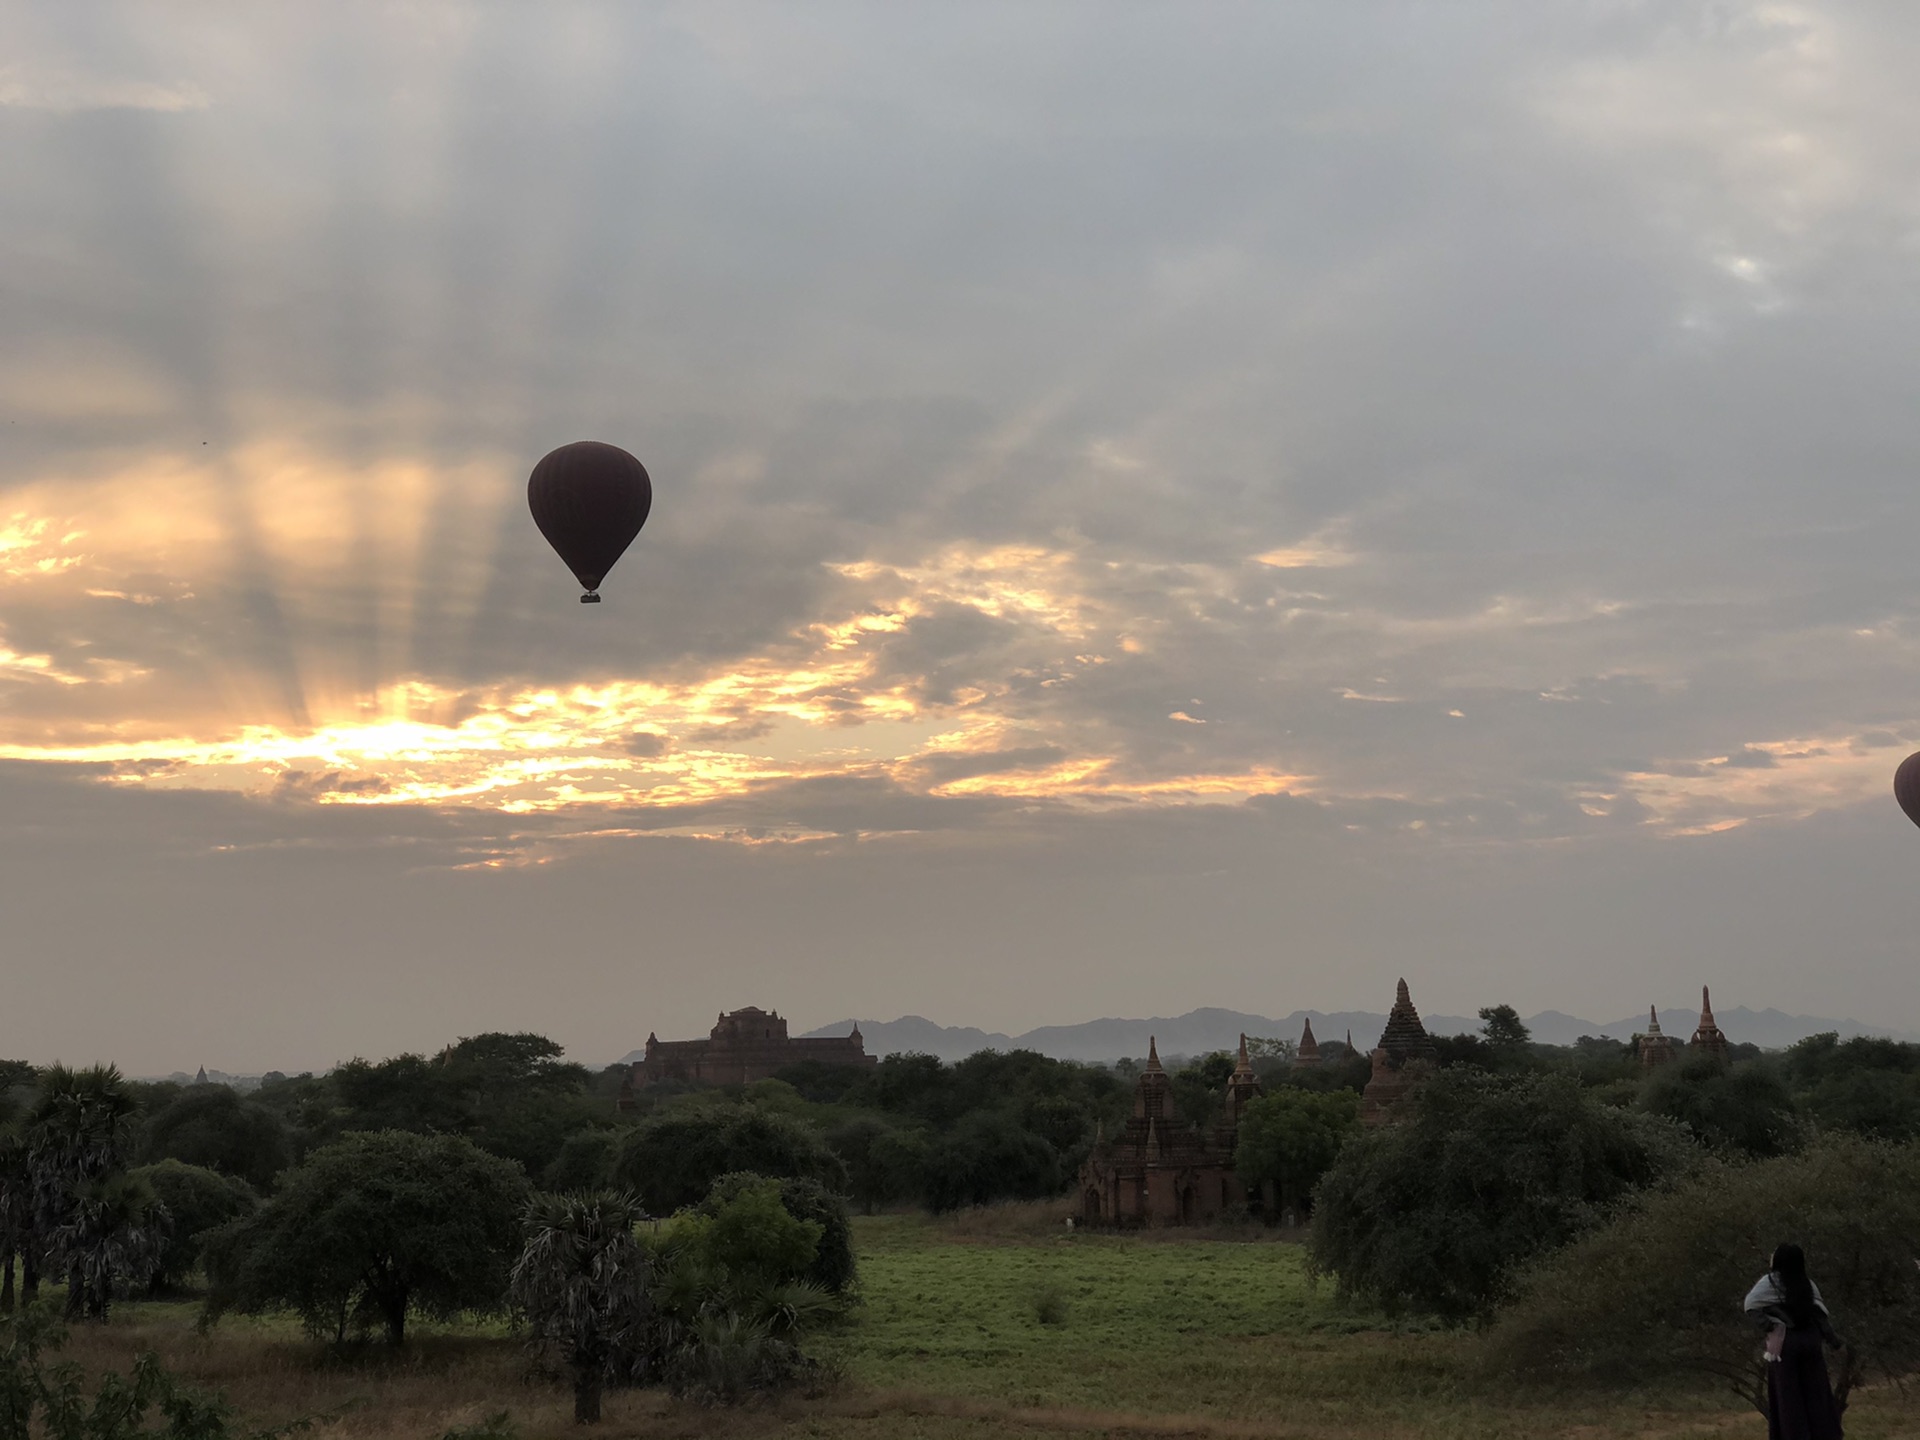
[[589, 500], [1906, 786]]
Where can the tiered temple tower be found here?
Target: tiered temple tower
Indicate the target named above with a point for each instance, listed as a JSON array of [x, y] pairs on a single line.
[[1656, 1046], [1243, 1085], [1307, 1054], [1405, 1053], [1707, 1037]]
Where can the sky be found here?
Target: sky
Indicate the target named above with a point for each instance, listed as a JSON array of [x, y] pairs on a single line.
[[1155, 506]]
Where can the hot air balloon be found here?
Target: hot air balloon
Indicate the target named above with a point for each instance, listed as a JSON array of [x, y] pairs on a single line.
[[1906, 786], [589, 500]]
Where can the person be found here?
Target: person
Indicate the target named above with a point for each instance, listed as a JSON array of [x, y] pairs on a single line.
[[1786, 1302]]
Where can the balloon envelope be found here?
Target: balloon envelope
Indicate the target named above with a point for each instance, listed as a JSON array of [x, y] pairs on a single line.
[[1906, 786], [589, 500]]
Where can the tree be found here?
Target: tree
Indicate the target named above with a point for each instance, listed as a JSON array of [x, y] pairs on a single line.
[[511, 1095], [199, 1201], [988, 1156], [374, 1227], [1657, 1291], [672, 1159], [1745, 1107], [1288, 1139], [213, 1127], [584, 1283], [1868, 1085], [884, 1164], [582, 1165], [16, 1198], [1200, 1086], [1482, 1174], [79, 1211], [1505, 1032]]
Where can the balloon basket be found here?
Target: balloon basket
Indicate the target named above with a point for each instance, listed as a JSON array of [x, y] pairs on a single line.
[[589, 599]]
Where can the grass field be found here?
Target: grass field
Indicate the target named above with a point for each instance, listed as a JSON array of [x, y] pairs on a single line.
[[978, 1330]]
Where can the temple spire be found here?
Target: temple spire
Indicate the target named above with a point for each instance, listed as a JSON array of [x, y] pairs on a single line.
[[1653, 1020], [1708, 1036], [1153, 1054]]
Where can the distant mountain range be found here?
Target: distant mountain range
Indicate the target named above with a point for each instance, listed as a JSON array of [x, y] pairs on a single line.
[[1199, 1032]]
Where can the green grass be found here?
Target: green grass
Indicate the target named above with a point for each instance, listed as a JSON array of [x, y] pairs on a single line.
[[995, 1325], [1227, 1331]]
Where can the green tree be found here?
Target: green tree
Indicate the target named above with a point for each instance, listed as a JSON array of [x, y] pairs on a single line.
[[1484, 1173], [1656, 1292], [1867, 1085], [1506, 1034], [1200, 1087], [583, 1162], [671, 1159], [510, 1094], [989, 1156], [884, 1163], [199, 1201], [584, 1282], [372, 1228], [213, 1127], [1288, 1139], [1744, 1107]]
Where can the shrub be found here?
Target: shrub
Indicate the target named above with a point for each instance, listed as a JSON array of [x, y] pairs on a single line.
[[52, 1400], [832, 1267], [745, 1232], [1482, 1174], [1050, 1306], [1658, 1291]]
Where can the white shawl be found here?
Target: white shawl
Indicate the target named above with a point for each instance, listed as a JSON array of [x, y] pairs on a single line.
[[1769, 1294]]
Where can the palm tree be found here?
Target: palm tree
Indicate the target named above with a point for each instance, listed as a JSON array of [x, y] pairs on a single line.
[[76, 1136], [584, 1283], [116, 1228], [14, 1210]]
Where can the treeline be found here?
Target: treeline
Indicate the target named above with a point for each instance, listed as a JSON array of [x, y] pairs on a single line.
[[1506, 1155], [1604, 1219]]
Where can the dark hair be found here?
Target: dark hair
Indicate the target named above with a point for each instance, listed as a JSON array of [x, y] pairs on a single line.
[[1790, 1269]]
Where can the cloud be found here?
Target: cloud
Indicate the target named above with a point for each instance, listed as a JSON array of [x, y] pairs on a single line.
[[25, 89], [1494, 430]]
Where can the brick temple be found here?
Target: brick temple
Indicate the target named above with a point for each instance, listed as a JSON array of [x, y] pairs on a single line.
[[1404, 1055], [743, 1046], [1657, 1048], [1159, 1170]]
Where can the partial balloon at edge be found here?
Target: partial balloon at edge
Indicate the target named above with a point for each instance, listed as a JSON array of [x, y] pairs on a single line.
[[589, 500], [1906, 786]]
